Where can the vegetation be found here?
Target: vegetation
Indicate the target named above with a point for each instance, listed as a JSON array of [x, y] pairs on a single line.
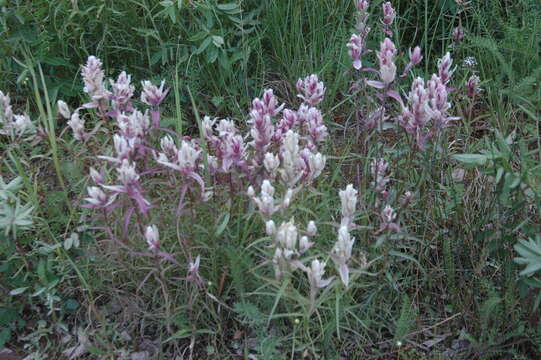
[[312, 180]]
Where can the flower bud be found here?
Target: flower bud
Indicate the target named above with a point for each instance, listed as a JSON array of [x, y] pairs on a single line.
[[63, 109], [311, 229]]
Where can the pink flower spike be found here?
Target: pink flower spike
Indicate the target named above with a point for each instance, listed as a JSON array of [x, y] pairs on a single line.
[[472, 86], [153, 95], [355, 46], [387, 67], [388, 13], [97, 177], [311, 90], [458, 35], [362, 5], [444, 68], [78, 126], [415, 58]]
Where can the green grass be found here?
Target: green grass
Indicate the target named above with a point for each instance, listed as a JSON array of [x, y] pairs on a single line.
[[447, 286]]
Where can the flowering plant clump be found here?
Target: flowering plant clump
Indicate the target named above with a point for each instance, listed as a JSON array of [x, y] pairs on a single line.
[[256, 205], [426, 110]]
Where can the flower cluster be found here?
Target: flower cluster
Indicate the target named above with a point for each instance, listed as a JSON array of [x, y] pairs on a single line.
[[388, 17], [13, 125], [341, 253], [357, 42], [427, 111], [387, 67], [284, 151]]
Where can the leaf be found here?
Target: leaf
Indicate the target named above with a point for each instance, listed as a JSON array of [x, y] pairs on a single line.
[[204, 45], [471, 159], [18, 291], [225, 220], [228, 6], [198, 36], [218, 40], [5, 336]]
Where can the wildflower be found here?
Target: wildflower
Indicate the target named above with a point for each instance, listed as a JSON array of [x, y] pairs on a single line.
[[270, 228], [316, 128], [97, 177], [167, 144], [388, 13], [153, 95], [315, 272], [458, 35], [193, 271], [22, 124], [152, 237], [311, 90], [348, 198], [262, 129], [98, 199], [265, 202], [415, 58], [77, 125], [285, 255], [313, 165], [7, 111], [388, 216], [226, 127], [184, 159], [444, 68], [122, 92], [63, 109], [341, 253], [130, 185], [304, 244], [388, 17], [291, 170], [124, 148], [289, 120], [287, 198], [387, 67], [355, 46], [13, 124], [233, 151], [416, 117], [136, 124], [93, 76], [469, 62], [378, 169], [386, 61], [311, 229], [437, 93], [207, 126], [406, 199], [472, 86], [272, 163], [362, 5]]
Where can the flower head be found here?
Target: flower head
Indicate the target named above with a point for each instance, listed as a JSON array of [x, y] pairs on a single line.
[[388, 13], [152, 236], [311, 90], [77, 125], [348, 198], [153, 95]]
